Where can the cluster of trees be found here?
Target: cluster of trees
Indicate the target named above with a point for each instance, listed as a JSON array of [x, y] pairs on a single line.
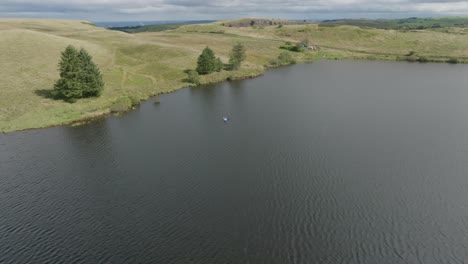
[[79, 76], [208, 62]]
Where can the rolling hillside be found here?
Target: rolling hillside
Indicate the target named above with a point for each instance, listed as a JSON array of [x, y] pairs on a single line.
[[145, 64]]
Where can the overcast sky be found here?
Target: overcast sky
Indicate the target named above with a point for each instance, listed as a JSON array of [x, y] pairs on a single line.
[[135, 10]]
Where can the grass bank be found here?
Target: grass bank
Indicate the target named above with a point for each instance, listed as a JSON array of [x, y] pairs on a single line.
[[137, 66]]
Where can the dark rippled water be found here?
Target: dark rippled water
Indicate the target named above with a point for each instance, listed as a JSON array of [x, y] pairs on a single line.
[[331, 162]]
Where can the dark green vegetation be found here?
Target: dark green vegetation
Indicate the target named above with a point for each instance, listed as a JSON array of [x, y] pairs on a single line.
[[208, 63], [158, 27], [193, 77], [237, 56], [149, 28], [124, 104], [285, 58], [79, 76], [412, 23], [292, 47], [296, 47]]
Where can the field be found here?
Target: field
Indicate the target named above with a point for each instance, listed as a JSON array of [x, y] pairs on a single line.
[[141, 65]]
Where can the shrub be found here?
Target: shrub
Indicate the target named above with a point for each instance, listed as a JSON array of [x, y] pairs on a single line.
[[453, 60], [423, 59], [275, 63], [135, 100], [122, 104], [193, 77], [284, 58], [295, 48]]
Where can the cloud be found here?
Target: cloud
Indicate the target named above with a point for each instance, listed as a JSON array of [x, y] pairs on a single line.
[[211, 9]]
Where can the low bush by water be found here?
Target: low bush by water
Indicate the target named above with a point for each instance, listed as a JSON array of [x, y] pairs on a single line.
[[122, 104]]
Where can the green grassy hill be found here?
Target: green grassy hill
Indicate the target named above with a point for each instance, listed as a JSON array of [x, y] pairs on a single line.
[[145, 64]]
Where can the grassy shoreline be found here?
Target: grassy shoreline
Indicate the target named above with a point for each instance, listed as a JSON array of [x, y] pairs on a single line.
[[93, 116], [138, 66]]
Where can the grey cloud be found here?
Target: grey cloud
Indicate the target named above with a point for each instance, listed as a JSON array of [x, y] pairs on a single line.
[[211, 9]]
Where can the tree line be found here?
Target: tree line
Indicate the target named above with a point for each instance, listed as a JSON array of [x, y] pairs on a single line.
[[80, 77]]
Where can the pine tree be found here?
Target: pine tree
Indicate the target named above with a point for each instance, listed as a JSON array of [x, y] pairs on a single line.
[[68, 86], [237, 56], [79, 76], [206, 62], [90, 76]]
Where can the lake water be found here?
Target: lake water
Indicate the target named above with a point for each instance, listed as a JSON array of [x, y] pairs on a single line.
[[330, 162]]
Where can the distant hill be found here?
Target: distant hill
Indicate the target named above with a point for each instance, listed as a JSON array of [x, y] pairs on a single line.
[[412, 23], [248, 22], [162, 26], [121, 24], [149, 28]]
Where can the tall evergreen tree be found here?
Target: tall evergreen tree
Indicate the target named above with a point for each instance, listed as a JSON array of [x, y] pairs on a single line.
[[90, 75], [79, 76], [69, 86], [206, 62], [237, 56]]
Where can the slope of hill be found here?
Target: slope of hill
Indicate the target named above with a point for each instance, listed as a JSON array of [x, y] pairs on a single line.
[[145, 64], [136, 65]]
